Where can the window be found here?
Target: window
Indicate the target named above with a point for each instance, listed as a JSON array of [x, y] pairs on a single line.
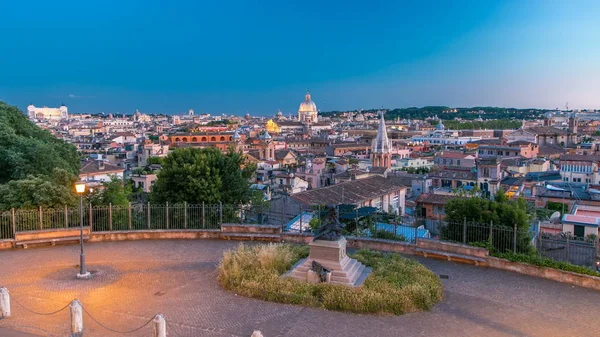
[[500, 153], [458, 162], [587, 180], [486, 172]]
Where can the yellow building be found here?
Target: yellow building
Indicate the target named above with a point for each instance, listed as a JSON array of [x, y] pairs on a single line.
[[272, 127]]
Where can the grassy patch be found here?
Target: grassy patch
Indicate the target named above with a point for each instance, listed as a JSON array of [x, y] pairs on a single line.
[[396, 285], [546, 262]]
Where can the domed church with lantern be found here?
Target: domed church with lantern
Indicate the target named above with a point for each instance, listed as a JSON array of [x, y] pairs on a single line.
[[307, 112]]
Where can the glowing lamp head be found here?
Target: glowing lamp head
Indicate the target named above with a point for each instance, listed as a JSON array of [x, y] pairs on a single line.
[[80, 187]]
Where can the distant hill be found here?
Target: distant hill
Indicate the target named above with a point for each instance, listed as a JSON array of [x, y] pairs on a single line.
[[448, 113]]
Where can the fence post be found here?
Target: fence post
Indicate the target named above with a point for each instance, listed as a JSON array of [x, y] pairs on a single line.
[[356, 220], [491, 238], [515, 238], [148, 214], [567, 250], [220, 212], [110, 219], [159, 326], [66, 217], [167, 213], [464, 234], [539, 242], [13, 222], [203, 224], [41, 219], [4, 303], [76, 318], [185, 214], [91, 220], [416, 233], [300, 218], [129, 216]]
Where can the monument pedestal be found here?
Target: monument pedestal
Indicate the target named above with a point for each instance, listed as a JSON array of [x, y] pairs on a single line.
[[331, 255]]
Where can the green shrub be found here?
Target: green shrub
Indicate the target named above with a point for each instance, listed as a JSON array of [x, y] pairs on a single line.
[[387, 235], [396, 285], [545, 262]]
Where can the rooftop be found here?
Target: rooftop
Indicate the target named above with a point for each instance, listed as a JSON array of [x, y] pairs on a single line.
[[353, 192]]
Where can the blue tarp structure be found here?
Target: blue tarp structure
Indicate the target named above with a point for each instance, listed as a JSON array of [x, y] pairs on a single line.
[[349, 213], [301, 223], [406, 231]]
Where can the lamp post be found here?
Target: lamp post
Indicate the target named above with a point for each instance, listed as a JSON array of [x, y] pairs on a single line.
[[83, 273]]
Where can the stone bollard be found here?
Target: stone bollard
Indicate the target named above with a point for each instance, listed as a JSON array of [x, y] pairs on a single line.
[[4, 303], [257, 333], [76, 319], [159, 326]]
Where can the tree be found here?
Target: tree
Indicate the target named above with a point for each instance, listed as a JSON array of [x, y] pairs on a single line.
[[36, 168], [113, 192], [25, 149], [504, 215], [39, 190], [203, 175]]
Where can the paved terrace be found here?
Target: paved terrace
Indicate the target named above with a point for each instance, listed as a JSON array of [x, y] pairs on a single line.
[[136, 280]]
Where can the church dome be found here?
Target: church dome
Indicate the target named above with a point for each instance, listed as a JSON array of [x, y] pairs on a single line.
[[272, 127], [440, 126], [308, 106]]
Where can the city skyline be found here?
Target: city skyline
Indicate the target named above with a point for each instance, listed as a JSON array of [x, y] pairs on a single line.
[[236, 57]]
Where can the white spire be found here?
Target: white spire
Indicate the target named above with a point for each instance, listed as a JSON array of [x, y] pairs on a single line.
[[381, 143]]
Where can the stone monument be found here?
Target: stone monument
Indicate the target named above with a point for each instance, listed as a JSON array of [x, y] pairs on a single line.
[[327, 260]]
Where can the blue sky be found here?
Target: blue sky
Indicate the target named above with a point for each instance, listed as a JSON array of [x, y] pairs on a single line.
[[260, 56]]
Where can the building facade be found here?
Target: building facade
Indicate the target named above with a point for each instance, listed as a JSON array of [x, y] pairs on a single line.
[[48, 113]]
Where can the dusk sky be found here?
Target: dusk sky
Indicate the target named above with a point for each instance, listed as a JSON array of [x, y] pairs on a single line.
[[260, 56]]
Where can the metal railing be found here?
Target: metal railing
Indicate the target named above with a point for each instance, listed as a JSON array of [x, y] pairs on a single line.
[[496, 238], [123, 217]]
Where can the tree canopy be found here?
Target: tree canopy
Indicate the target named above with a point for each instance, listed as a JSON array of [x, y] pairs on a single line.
[[39, 190], [26, 149], [203, 175], [36, 168], [479, 213], [112, 192], [502, 212]]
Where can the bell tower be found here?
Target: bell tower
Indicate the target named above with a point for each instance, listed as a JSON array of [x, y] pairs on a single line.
[[381, 149]]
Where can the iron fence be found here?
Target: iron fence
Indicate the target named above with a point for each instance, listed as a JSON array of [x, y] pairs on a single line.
[[372, 225], [567, 248], [496, 238], [124, 217]]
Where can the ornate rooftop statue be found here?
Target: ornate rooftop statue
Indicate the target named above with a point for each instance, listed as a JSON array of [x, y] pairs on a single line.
[[331, 229]]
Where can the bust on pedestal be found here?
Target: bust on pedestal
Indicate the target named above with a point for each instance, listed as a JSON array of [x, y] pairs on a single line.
[[328, 256]]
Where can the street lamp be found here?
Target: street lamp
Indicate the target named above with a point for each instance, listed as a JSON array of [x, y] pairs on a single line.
[[83, 273]]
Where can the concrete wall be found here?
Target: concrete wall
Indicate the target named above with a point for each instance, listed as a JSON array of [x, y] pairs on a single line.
[[51, 234], [189, 234], [585, 281]]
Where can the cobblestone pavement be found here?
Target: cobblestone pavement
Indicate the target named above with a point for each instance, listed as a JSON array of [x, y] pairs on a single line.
[[133, 281]]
